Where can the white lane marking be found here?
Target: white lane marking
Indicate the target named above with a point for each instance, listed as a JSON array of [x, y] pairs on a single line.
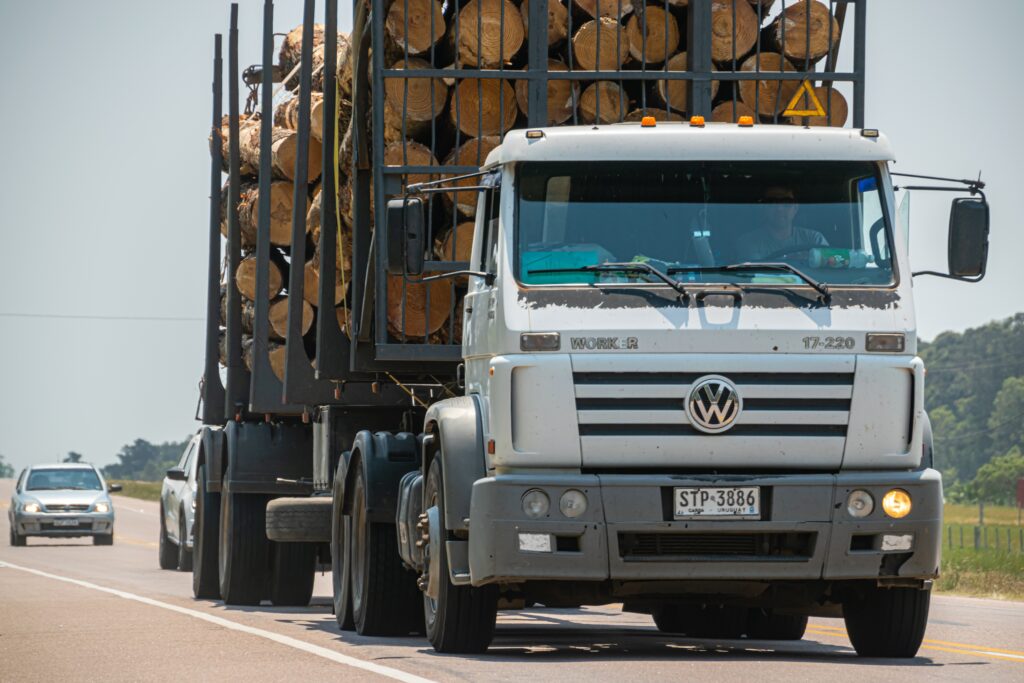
[[323, 652]]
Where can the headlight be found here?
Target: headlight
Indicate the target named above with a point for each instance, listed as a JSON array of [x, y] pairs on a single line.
[[102, 507], [573, 503], [860, 503], [535, 503], [896, 503], [31, 507]]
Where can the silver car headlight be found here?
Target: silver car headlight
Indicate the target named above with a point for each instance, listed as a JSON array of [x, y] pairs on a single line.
[[102, 507], [31, 507]]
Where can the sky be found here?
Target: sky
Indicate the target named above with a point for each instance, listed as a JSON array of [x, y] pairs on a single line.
[[104, 184]]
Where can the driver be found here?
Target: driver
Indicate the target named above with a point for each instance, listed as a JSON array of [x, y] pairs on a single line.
[[777, 233]]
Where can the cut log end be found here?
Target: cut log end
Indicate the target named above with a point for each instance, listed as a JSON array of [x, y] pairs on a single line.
[[491, 33], [418, 30], [245, 279], [653, 35], [483, 107], [603, 102], [410, 314], [614, 49]]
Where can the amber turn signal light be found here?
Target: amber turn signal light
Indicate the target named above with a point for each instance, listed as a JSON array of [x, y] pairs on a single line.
[[697, 121], [746, 121], [648, 122]]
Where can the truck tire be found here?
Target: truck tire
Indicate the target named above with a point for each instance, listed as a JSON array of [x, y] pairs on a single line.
[[341, 580], [701, 621], [292, 570], [184, 558], [675, 619], [385, 599], [462, 619], [887, 622], [205, 534], [243, 548], [302, 520], [167, 551], [767, 625]]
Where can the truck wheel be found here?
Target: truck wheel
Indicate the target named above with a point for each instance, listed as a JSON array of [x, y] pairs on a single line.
[[462, 618], [184, 558], [299, 520], [341, 580], [168, 552], [887, 622], [701, 621], [243, 548], [384, 594], [767, 625], [104, 539], [292, 570], [205, 581]]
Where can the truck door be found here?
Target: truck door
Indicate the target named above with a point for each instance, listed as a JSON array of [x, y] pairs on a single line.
[[481, 298]]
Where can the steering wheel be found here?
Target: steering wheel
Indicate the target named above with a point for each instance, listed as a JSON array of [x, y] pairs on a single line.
[[795, 249]]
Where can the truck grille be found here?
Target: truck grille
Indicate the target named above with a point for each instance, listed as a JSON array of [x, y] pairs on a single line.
[[661, 546], [799, 412]]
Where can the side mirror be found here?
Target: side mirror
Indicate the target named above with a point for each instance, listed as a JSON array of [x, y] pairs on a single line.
[[114, 488], [176, 474], [968, 237], [405, 235]]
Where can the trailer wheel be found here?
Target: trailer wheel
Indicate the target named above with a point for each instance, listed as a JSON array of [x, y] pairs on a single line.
[[168, 552], [887, 622], [462, 618], [183, 561], [243, 548], [341, 580], [762, 625], [205, 534], [384, 593], [292, 570]]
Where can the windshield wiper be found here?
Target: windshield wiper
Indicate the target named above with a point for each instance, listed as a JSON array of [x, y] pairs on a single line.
[[626, 267], [819, 287]]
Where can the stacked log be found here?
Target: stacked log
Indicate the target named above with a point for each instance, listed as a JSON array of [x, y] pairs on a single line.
[[438, 121]]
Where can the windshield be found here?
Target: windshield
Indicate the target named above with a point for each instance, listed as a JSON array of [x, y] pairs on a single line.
[[692, 219], [48, 480]]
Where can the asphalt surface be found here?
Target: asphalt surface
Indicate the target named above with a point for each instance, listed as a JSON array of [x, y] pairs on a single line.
[[73, 611]]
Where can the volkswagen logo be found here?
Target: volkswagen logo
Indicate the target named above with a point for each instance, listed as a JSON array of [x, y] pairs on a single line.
[[713, 404]]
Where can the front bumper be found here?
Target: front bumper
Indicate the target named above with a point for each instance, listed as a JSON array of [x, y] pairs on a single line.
[[628, 531], [50, 523]]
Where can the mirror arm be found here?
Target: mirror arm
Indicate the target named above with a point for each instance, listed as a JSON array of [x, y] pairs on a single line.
[[958, 278], [488, 277]]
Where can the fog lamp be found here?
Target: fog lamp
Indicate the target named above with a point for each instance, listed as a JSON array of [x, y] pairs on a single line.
[[536, 503], [860, 503], [896, 503], [31, 507], [573, 503], [102, 507]]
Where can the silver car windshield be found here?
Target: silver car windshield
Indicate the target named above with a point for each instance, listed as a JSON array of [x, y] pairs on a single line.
[[703, 222], [57, 479]]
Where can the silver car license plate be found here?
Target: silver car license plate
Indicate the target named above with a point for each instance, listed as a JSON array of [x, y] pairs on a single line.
[[738, 502], [65, 522]]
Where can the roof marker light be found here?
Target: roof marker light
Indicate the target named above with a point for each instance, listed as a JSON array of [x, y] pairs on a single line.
[[534, 134], [746, 121], [648, 122], [697, 121], [869, 133]]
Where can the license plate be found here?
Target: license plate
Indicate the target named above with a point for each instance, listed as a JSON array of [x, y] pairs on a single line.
[[730, 501], [65, 522]]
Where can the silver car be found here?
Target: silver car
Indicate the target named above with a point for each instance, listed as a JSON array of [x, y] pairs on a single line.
[[62, 500], [177, 510]]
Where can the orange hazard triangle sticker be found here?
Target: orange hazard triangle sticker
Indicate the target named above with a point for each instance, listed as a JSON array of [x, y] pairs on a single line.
[[805, 88]]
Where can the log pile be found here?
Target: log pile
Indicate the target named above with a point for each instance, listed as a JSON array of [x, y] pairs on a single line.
[[439, 121]]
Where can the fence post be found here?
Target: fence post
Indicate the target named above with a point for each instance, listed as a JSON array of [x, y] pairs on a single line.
[[949, 536], [961, 537], [997, 539], [977, 538]]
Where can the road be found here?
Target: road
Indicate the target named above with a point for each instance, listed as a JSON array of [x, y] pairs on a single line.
[[73, 611]]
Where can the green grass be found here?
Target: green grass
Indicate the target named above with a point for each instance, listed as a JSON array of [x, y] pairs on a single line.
[[146, 490], [996, 568]]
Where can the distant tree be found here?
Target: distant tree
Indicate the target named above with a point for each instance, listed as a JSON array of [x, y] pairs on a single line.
[[1007, 420], [6, 470], [145, 461], [997, 480], [73, 457]]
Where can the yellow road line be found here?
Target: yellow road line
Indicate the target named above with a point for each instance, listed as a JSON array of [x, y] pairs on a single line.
[[927, 644]]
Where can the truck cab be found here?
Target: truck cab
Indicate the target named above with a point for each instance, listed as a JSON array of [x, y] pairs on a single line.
[[690, 354]]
